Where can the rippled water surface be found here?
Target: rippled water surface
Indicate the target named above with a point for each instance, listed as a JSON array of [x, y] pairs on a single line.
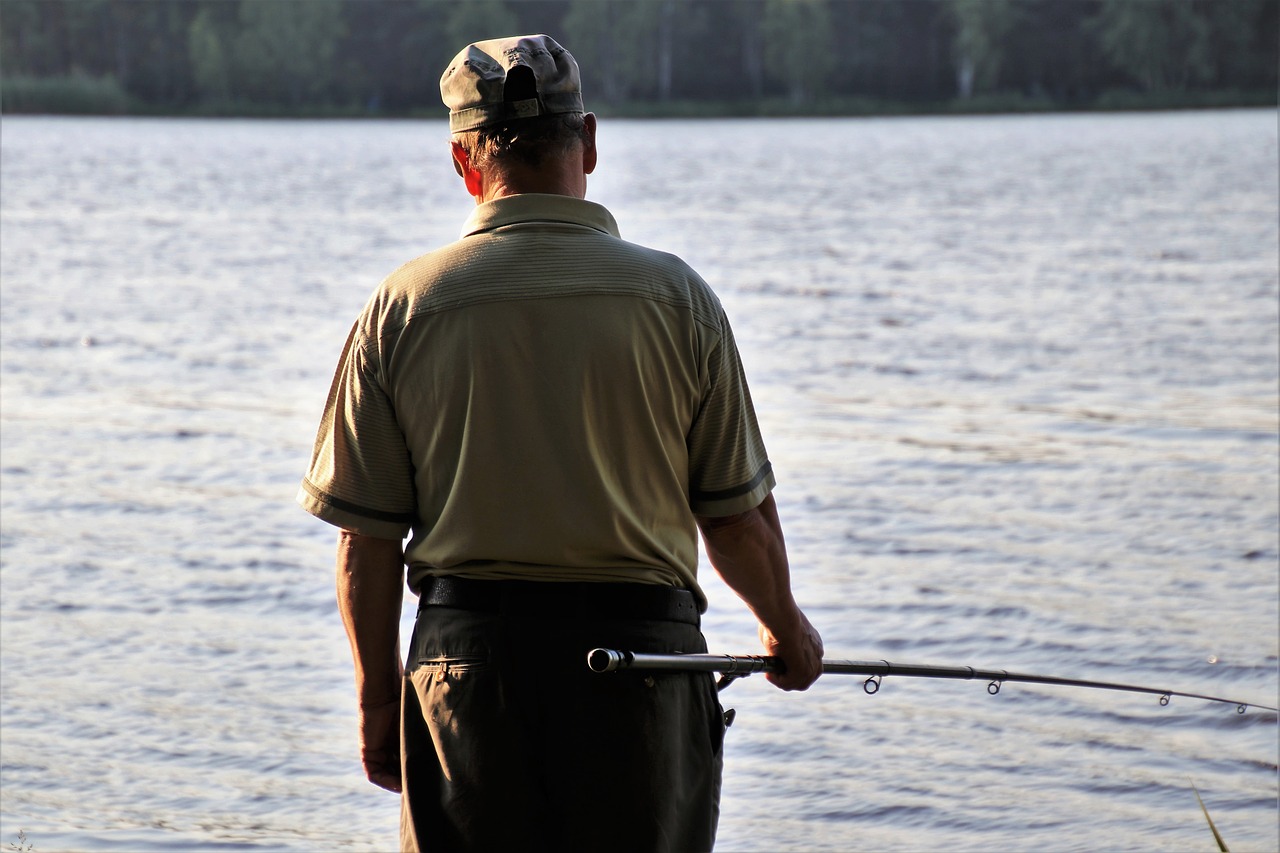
[[1018, 377]]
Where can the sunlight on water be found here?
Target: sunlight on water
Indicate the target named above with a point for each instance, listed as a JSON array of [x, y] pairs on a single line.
[[1018, 379]]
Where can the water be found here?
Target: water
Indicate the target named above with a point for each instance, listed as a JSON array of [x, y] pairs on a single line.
[[1018, 378]]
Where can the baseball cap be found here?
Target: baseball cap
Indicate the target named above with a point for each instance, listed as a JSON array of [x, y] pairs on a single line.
[[495, 81]]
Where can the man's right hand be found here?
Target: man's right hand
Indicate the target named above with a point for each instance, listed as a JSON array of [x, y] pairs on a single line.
[[380, 745], [800, 650], [370, 589]]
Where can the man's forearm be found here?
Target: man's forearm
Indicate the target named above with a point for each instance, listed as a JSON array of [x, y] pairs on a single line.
[[370, 587], [749, 553]]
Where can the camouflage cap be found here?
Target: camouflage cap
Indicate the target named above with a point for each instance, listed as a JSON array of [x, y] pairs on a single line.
[[495, 81]]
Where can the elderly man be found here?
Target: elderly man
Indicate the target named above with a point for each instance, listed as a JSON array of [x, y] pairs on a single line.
[[549, 413]]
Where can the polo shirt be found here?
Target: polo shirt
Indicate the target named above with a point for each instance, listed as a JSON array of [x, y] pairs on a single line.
[[540, 400]]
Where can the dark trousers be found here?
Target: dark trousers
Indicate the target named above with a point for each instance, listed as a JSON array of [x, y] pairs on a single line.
[[510, 743]]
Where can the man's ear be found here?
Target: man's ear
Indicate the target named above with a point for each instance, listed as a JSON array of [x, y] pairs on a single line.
[[469, 174], [461, 162], [589, 147]]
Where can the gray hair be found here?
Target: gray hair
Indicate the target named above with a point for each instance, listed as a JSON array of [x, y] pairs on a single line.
[[528, 141]]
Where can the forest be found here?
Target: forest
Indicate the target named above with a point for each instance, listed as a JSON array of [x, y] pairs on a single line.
[[641, 57]]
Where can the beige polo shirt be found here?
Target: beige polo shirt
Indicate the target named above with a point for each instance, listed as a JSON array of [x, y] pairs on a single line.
[[540, 400]]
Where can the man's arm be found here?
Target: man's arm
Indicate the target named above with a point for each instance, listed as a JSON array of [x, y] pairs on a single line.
[[748, 552], [370, 586]]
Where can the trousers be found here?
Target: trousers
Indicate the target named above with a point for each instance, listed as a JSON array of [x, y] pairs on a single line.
[[510, 743]]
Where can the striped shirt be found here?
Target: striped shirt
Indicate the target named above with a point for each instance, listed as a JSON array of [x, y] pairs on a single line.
[[540, 400]]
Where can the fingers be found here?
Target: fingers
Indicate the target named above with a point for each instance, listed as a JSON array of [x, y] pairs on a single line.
[[384, 777], [801, 652], [380, 745]]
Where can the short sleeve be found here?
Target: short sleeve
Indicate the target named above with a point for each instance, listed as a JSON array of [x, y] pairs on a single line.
[[729, 471], [361, 474]]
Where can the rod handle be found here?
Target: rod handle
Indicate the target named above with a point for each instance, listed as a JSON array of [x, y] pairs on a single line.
[[607, 660]]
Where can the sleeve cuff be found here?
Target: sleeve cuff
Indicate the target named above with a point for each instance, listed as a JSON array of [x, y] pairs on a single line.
[[349, 517], [733, 501]]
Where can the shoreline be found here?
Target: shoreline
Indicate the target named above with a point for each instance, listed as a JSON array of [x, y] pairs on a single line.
[[72, 96]]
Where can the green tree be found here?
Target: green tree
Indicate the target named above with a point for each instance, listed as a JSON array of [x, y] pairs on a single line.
[[207, 52], [478, 20], [148, 41], [284, 52], [1160, 45], [25, 44], [664, 47], [393, 53], [457, 23], [798, 46], [1051, 54], [1233, 28], [982, 27], [614, 44]]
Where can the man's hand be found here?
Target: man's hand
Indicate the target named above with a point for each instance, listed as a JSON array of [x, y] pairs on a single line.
[[380, 745], [801, 652]]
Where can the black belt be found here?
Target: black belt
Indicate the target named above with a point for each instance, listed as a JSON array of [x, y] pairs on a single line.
[[553, 599]]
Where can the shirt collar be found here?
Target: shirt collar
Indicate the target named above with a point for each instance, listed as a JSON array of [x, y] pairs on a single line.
[[539, 207]]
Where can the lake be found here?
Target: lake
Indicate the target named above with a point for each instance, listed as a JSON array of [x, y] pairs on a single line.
[[1018, 377]]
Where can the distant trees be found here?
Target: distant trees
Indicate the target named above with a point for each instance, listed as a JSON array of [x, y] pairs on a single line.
[[1161, 45], [798, 46], [603, 38], [474, 20], [284, 52], [981, 39], [628, 51], [207, 50], [747, 56]]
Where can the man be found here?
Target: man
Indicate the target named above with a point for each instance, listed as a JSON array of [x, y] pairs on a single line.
[[549, 413]]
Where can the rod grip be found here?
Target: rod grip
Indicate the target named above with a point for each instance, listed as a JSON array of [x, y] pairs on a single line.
[[606, 660]]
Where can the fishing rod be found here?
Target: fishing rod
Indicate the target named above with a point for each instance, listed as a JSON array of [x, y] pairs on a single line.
[[733, 667]]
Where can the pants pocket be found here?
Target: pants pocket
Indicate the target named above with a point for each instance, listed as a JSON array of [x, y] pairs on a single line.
[[440, 668]]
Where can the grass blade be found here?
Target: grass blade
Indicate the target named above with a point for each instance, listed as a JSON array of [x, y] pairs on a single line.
[[1222, 845]]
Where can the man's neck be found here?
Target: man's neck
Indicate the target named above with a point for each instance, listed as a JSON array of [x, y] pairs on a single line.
[[552, 179]]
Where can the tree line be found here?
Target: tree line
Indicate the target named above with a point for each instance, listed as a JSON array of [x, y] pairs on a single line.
[[645, 57]]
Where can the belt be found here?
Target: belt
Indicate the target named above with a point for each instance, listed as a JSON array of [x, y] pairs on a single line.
[[554, 599]]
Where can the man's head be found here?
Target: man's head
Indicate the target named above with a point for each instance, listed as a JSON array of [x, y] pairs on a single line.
[[515, 112]]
